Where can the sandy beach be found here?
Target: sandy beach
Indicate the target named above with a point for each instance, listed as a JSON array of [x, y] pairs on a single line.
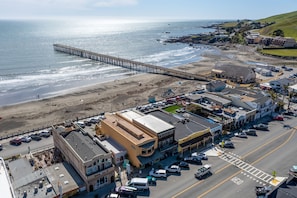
[[116, 95]]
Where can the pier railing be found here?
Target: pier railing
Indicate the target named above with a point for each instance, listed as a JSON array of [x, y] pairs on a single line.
[[129, 64]]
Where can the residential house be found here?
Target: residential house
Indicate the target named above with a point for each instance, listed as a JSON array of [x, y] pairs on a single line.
[[235, 73], [215, 86]]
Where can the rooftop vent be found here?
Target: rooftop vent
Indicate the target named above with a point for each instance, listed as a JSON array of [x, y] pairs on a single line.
[[61, 175], [57, 168]]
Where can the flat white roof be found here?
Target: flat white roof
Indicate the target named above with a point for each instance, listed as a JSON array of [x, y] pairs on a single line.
[[154, 124], [131, 115], [5, 185], [294, 87]]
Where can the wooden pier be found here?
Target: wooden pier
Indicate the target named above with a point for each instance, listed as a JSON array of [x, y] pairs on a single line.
[[129, 64]]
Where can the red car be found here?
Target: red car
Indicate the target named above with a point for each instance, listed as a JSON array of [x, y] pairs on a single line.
[[279, 118], [16, 142]]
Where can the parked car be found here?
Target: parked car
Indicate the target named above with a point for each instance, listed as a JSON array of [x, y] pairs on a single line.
[[80, 124], [1, 147], [87, 123], [26, 139], [193, 160], [126, 191], [278, 117], [173, 169], [251, 132], [261, 126], [290, 113], [94, 120], [35, 137], [287, 126], [44, 134], [182, 164], [139, 183], [240, 135], [293, 169], [202, 156], [16, 142], [158, 173], [113, 195], [226, 144]]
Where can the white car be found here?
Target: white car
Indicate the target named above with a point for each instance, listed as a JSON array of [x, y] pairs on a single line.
[[26, 139], [173, 169], [159, 173], [241, 135]]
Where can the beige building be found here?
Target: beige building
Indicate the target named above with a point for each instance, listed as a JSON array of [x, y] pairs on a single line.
[[90, 159], [136, 141]]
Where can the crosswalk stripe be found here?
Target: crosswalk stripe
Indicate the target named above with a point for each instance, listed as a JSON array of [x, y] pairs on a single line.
[[257, 173]]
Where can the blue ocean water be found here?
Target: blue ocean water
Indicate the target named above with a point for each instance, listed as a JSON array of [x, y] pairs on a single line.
[[30, 69]]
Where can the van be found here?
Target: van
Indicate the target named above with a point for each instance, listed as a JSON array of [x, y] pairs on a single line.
[[139, 183], [126, 191]]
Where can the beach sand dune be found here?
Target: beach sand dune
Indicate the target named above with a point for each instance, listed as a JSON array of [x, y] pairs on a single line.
[[116, 95]]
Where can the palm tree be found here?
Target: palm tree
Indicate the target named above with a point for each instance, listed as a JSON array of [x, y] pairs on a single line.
[[275, 99]]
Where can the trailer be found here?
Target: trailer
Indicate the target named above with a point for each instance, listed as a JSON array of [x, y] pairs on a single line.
[[203, 171]]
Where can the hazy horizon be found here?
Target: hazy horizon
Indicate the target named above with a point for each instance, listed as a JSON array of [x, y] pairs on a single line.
[[144, 9]]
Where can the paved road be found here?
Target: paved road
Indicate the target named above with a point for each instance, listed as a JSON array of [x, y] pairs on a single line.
[[270, 151]]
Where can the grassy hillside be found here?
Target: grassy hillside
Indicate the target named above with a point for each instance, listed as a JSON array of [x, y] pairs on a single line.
[[286, 22]]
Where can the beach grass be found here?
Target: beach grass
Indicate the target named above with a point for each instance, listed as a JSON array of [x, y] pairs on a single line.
[[281, 52]]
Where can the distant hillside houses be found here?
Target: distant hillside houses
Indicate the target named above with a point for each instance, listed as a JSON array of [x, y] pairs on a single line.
[[256, 38], [234, 73]]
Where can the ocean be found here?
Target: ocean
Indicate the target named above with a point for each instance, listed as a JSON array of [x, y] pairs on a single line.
[[30, 69]]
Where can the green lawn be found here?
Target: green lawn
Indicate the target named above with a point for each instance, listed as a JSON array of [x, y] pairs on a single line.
[[173, 108], [281, 52]]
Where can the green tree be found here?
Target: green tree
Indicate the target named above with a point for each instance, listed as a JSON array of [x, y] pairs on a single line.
[[278, 32]]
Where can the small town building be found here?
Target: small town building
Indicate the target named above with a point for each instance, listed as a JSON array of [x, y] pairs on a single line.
[[141, 147], [215, 86], [90, 159], [234, 73], [190, 133]]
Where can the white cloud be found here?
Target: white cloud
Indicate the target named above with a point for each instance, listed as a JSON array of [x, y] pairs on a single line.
[[112, 3]]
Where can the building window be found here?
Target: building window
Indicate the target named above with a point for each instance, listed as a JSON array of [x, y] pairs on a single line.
[[143, 152], [102, 180]]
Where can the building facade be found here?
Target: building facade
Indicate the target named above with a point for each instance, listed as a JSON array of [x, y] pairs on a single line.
[[90, 159], [137, 142]]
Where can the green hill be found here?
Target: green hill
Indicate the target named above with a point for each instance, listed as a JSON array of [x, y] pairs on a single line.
[[285, 22]]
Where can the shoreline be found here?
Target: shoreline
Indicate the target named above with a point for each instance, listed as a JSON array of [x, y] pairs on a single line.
[[115, 95]]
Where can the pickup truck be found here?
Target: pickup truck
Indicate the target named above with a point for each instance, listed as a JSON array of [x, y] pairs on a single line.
[[203, 171]]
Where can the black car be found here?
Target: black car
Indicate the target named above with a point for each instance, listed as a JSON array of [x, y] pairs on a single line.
[[183, 164], [193, 160], [261, 126]]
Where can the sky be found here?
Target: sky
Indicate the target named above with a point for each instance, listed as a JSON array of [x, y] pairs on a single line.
[[145, 9]]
